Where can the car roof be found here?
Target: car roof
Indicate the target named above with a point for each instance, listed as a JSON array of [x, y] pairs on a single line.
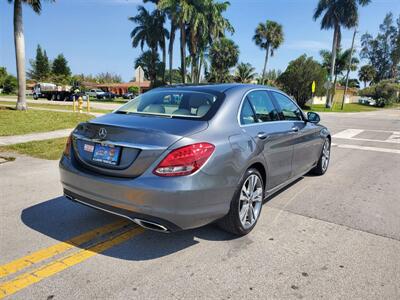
[[219, 87]]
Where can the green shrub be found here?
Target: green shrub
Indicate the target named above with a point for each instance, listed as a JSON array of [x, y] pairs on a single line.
[[386, 90], [9, 84], [133, 89]]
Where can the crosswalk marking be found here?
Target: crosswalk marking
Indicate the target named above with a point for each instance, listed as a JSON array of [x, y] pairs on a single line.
[[351, 134]]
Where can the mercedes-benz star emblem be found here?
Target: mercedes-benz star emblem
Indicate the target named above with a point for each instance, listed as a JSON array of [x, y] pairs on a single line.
[[102, 133]]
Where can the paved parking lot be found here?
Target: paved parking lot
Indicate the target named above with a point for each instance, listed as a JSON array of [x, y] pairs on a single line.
[[336, 236]]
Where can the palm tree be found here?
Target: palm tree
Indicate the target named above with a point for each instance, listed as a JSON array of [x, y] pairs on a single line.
[[366, 74], [171, 11], [337, 13], [19, 42], [199, 23], [341, 62], [268, 36], [183, 11], [244, 73], [150, 31], [224, 54]]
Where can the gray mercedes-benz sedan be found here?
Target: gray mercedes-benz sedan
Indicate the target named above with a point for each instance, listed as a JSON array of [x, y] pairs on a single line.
[[181, 157]]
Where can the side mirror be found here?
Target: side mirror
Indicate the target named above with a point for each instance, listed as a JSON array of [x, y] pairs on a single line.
[[313, 117]]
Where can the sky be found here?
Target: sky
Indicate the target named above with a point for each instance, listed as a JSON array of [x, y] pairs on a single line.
[[94, 34]]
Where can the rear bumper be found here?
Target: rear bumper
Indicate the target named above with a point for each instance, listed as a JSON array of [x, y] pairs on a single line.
[[175, 203]]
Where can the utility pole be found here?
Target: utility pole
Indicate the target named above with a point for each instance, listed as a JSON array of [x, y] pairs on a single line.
[[349, 67]]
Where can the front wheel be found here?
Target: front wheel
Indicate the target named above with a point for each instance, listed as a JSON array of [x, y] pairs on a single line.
[[246, 204], [323, 161]]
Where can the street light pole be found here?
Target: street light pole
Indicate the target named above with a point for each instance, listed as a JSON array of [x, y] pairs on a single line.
[[349, 67]]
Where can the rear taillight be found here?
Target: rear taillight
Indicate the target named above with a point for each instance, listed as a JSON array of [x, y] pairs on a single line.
[[185, 160], [67, 149]]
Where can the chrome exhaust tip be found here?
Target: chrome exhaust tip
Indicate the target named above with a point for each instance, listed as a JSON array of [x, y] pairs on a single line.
[[143, 223], [151, 225]]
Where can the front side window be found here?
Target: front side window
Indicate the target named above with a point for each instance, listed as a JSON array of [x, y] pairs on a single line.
[[290, 111], [171, 103], [263, 106]]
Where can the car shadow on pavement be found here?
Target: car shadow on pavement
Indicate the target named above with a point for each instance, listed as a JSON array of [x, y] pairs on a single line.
[[62, 219]]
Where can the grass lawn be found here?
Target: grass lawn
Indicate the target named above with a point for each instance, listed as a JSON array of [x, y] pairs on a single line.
[[14, 122], [57, 106], [350, 107], [28, 97], [115, 100], [48, 149]]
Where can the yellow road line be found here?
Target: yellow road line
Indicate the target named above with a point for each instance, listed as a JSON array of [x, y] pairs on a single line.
[[51, 251], [24, 280]]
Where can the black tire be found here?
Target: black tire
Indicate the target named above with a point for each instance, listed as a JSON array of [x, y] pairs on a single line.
[[35, 97], [231, 222], [322, 167]]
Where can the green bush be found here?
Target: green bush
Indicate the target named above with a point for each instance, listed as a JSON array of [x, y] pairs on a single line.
[[9, 84], [386, 90], [133, 89]]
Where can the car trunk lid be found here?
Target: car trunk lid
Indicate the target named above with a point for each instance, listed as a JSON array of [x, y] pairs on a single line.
[[136, 141]]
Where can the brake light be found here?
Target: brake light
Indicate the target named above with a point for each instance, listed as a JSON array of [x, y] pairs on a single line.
[[67, 149], [185, 160]]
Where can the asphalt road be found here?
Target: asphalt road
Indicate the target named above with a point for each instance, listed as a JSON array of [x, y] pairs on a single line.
[[335, 236]]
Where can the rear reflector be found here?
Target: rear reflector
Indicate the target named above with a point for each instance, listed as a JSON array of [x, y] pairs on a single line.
[[67, 149], [185, 160]]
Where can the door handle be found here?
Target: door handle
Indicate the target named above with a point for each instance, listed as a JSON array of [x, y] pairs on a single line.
[[262, 135], [295, 129]]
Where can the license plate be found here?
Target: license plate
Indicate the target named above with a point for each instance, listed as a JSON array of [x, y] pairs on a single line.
[[106, 154]]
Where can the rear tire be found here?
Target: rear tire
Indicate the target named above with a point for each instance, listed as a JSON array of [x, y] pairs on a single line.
[[246, 205], [323, 162]]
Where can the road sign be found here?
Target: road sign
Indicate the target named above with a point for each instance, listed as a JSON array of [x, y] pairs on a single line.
[[328, 85], [313, 87]]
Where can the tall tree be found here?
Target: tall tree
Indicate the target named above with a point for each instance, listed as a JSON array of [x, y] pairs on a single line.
[[151, 65], [40, 66], [149, 31], [183, 10], [366, 74], [224, 54], [244, 73], [336, 14], [268, 36], [60, 66], [341, 62], [19, 42], [383, 51], [298, 77], [170, 9]]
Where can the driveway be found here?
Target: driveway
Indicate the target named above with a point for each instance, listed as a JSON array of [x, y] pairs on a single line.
[[335, 236]]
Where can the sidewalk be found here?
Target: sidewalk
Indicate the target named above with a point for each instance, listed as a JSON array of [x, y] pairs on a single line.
[[39, 136]]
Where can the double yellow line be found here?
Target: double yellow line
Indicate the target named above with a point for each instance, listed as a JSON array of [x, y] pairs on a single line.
[[123, 233]]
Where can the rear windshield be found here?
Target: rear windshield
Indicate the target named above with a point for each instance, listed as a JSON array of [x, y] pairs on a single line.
[[188, 104]]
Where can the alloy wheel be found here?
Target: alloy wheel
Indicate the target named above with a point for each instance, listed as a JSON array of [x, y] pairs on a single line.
[[250, 201], [326, 152]]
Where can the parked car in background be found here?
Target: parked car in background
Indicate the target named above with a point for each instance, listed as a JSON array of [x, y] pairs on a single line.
[[182, 157], [128, 95], [106, 95], [95, 92]]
